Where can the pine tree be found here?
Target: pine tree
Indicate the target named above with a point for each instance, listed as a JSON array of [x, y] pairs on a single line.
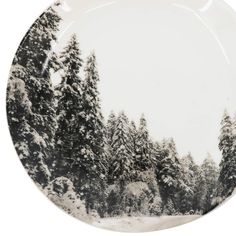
[[189, 176], [69, 106], [35, 52], [227, 177], [35, 59], [210, 171], [121, 169], [143, 147], [89, 150], [200, 188], [28, 143], [168, 173]]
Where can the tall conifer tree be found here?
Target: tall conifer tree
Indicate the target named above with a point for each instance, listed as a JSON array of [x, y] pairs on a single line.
[[33, 127], [89, 151], [121, 169], [69, 107], [227, 176], [143, 147]]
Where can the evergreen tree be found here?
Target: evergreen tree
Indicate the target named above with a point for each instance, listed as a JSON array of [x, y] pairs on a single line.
[[200, 188], [31, 70], [189, 175], [69, 106], [227, 177], [143, 147], [29, 145], [35, 52], [89, 150], [210, 171], [121, 169], [168, 173]]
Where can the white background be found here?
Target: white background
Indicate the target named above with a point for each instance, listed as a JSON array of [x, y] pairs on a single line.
[[23, 209]]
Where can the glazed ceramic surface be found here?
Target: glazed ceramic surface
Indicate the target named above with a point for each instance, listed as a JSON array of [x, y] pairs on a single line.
[[122, 111]]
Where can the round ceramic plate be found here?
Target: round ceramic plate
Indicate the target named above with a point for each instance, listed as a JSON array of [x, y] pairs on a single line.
[[121, 111]]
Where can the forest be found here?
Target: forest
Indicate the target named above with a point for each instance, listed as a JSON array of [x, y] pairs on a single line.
[[93, 166]]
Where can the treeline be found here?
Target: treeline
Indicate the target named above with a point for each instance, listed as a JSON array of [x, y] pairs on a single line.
[[114, 166], [151, 177]]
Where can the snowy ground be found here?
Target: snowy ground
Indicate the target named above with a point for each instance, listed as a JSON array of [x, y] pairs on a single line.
[[143, 224]]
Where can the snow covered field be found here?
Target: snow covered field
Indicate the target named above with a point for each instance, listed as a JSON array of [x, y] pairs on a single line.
[[143, 224]]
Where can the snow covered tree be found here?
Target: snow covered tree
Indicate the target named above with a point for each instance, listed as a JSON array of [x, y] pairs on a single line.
[[210, 172], [189, 168], [168, 173], [69, 106], [226, 136], [89, 150], [35, 52], [143, 147], [189, 176], [227, 177], [171, 147], [121, 168], [200, 188], [30, 77], [29, 145]]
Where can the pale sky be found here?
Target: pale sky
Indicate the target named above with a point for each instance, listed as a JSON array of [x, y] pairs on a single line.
[[173, 60]]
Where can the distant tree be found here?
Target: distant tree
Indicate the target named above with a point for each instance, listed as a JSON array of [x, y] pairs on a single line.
[[168, 173], [200, 189], [210, 172], [143, 147], [189, 176], [121, 169], [227, 177]]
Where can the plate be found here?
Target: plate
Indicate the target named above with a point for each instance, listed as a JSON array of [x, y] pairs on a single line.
[[122, 111]]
